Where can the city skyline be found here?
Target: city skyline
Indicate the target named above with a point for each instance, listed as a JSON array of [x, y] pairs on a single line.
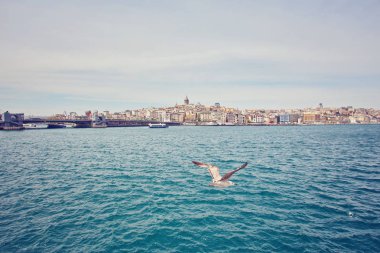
[[192, 103], [196, 114], [76, 56]]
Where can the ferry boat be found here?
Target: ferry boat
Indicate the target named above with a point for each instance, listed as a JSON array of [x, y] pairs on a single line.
[[158, 125], [35, 126]]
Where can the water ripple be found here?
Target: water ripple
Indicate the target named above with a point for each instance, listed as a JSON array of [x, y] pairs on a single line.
[[307, 189]]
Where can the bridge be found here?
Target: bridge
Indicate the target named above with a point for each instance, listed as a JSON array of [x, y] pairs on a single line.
[[108, 122], [15, 121]]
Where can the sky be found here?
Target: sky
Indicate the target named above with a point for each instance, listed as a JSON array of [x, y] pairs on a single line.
[[114, 55]]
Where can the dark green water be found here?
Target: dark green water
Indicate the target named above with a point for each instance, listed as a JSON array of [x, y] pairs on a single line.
[[135, 189]]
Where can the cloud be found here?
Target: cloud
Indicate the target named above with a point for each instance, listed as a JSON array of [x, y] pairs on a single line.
[[152, 52]]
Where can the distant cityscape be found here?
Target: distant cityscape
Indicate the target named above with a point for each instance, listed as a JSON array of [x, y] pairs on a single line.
[[217, 114]]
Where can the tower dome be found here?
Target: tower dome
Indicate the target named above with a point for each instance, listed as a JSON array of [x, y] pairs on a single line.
[[186, 101]]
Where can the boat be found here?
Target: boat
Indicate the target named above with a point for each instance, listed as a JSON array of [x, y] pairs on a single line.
[[56, 126], [99, 125], [11, 128], [35, 126], [158, 125], [209, 123], [189, 124], [70, 125]]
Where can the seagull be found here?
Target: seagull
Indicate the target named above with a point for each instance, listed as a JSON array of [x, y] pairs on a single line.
[[217, 180]]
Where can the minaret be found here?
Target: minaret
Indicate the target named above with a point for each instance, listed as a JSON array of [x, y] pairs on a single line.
[[186, 101]]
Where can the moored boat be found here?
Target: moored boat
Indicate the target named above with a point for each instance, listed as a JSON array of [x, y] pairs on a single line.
[[189, 124], [210, 123], [70, 125], [11, 128], [158, 125], [35, 126]]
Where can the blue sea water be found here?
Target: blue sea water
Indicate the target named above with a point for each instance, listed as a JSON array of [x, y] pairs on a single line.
[[306, 189]]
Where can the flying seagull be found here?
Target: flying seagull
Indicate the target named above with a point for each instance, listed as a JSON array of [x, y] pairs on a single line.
[[217, 180]]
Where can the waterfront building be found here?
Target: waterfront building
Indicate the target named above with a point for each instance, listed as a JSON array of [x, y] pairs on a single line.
[[251, 118], [288, 118], [311, 117], [177, 117], [190, 116], [218, 117], [259, 119], [284, 118], [241, 119], [271, 119], [204, 116], [231, 118], [255, 118], [163, 116], [293, 118], [168, 116]]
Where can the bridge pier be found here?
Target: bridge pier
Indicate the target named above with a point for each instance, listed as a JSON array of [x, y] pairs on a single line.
[[12, 121]]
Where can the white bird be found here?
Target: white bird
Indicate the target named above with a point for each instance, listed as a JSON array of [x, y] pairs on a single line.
[[217, 180]]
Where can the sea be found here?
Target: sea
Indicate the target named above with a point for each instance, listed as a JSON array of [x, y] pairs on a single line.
[[305, 189]]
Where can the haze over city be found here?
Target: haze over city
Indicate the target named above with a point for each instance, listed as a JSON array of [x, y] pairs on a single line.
[[115, 55]]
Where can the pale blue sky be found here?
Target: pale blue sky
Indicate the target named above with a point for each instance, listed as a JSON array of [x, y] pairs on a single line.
[[60, 56]]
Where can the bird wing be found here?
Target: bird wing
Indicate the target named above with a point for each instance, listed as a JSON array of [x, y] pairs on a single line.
[[229, 174], [214, 171]]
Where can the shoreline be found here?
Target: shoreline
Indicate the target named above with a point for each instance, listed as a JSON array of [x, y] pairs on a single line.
[[7, 129]]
